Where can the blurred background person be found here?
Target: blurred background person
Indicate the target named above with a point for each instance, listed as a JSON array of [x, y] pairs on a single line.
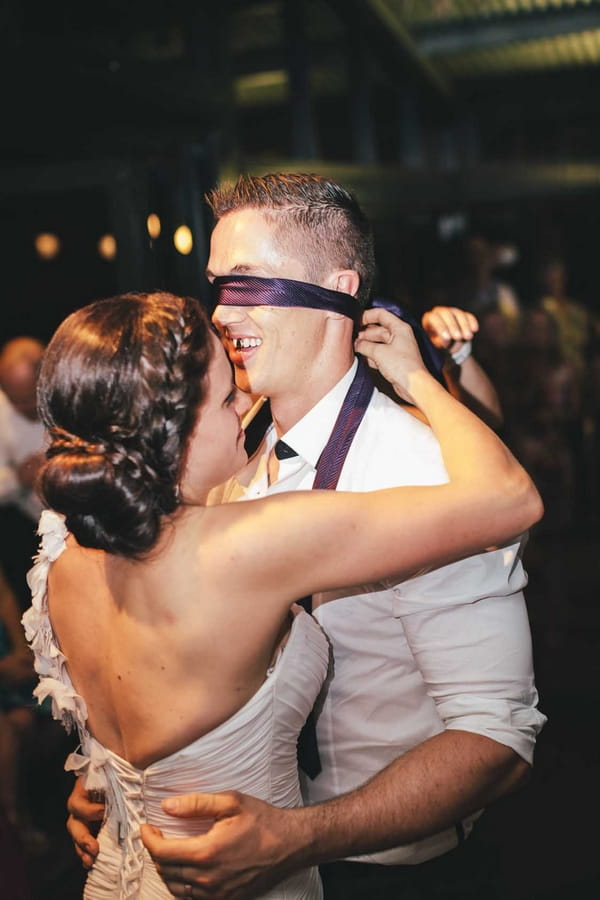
[[21, 454], [575, 323], [17, 717], [480, 290]]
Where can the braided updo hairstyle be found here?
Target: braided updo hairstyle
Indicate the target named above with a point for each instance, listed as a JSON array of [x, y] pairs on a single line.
[[119, 391]]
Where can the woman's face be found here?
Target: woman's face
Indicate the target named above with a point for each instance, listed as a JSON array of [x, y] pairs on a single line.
[[216, 448]]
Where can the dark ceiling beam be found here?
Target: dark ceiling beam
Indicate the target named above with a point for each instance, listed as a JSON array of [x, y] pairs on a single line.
[[393, 193], [392, 45], [480, 34], [303, 137]]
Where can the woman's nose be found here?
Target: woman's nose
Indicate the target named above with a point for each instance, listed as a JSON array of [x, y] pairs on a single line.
[[243, 402]]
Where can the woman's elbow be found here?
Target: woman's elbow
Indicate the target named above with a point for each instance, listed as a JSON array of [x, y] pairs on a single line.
[[529, 502]]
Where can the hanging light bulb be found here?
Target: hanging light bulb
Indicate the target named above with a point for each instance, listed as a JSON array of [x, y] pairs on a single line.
[[153, 225], [107, 246], [47, 245], [183, 240]]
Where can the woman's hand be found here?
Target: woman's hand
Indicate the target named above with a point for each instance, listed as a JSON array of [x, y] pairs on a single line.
[[388, 344]]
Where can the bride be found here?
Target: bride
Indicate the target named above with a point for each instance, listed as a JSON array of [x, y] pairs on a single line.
[[164, 630]]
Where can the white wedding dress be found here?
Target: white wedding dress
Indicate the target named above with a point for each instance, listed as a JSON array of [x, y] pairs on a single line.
[[254, 751]]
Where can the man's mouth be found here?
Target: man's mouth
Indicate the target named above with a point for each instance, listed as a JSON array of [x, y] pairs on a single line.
[[245, 343]]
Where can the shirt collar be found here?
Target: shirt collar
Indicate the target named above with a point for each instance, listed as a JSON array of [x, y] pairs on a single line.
[[309, 436]]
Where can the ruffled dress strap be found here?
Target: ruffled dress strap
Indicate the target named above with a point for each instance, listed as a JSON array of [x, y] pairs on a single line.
[[50, 664]]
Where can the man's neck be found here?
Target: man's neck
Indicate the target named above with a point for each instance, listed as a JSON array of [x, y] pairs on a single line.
[[288, 409]]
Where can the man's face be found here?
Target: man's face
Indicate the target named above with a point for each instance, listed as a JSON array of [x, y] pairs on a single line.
[[19, 386], [271, 348]]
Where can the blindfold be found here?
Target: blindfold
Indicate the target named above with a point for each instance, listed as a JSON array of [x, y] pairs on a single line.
[[248, 290]]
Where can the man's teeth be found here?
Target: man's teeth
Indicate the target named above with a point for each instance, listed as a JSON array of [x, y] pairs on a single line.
[[246, 343]]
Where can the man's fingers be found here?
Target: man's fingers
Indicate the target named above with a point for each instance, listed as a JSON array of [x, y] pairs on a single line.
[[85, 811], [208, 806], [86, 845], [171, 854], [81, 805]]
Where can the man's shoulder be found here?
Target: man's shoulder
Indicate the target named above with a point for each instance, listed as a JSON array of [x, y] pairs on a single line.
[[392, 447], [393, 419]]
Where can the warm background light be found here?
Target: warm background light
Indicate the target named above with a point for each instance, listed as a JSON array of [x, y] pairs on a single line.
[[47, 245], [183, 240], [107, 246], [153, 225]]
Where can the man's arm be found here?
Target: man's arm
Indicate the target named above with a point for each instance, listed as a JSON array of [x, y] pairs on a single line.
[[453, 329], [473, 649], [252, 845]]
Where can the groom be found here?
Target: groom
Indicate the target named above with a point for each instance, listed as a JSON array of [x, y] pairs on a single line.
[[431, 711]]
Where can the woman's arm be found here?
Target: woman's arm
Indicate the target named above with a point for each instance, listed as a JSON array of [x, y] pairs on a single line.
[[319, 540]]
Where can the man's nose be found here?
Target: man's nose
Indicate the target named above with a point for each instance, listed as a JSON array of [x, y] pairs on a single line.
[[227, 315]]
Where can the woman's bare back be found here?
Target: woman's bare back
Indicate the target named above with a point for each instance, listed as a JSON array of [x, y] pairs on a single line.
[[162, 650]]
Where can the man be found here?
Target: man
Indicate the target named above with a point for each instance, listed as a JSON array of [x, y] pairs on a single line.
[[430, 712], [21, 454]]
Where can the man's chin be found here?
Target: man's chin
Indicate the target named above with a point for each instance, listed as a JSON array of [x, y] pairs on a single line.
[[243, 382]]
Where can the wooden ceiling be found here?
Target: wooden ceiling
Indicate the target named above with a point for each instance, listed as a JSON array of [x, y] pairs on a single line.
[[352, 81]]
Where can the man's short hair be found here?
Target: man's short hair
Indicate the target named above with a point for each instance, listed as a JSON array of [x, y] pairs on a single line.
[[324, 226]]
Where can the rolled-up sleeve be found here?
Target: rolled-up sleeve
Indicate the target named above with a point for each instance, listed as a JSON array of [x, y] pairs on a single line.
[[468, 630]]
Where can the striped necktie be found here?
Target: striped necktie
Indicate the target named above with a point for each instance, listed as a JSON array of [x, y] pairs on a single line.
[[329, 468]]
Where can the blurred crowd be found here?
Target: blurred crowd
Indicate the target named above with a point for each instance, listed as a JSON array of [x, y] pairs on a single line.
[[542, 353]]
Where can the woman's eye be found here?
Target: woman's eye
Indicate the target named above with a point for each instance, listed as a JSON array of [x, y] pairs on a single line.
[[230, 397]]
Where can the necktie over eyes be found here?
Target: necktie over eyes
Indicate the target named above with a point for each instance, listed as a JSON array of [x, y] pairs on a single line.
[[249, 290]]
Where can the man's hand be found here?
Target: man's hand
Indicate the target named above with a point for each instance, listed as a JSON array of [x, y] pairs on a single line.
[[83, 812], [449, 327], [247, 850]]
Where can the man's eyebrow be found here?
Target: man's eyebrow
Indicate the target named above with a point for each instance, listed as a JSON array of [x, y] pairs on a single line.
[[239, 269]]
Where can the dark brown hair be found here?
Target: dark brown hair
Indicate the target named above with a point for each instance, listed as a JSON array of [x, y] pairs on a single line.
[[119, 390], [323, 225]]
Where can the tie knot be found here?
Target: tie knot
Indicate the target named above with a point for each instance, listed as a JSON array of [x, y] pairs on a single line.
[[284, 451]]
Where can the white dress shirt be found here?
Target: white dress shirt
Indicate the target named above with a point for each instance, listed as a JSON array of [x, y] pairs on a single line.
[[447, 649], [19, 438]]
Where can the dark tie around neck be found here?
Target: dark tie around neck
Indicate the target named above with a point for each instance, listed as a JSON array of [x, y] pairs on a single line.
[[284, 451], [329, 469]]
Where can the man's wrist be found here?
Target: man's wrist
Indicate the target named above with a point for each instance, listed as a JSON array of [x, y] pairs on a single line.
[[302, 838]]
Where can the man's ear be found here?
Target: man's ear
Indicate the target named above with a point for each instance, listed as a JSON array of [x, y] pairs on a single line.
[[345, 280]]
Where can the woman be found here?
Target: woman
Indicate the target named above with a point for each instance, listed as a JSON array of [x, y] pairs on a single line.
[[180, 662]]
